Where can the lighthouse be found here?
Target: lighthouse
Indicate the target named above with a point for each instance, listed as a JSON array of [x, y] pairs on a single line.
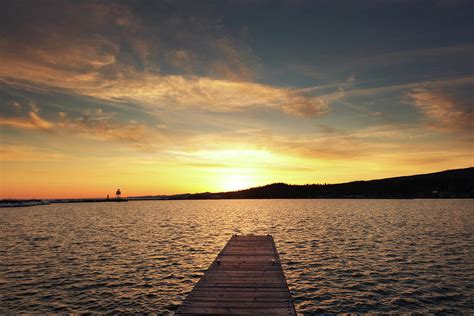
[[118, 193]]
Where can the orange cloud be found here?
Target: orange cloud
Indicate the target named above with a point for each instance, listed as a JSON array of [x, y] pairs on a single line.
[[442, 112], [181, 59], [99, 125], [164, 91], [92, 124], [207, 93], [39, 122], [66, 57], [26, 153], [33, 122], [234, 64]]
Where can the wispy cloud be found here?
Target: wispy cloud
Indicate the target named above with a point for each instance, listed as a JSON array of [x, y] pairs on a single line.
[[120, 65], [33, 121], [207, 93], [99, 125], [412, 55], [441, 111], [27, 153], [169, 91], [92, 124]]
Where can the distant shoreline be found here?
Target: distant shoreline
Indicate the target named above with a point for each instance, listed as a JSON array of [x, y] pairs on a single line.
[[449, 184], [36, 202], [458, 183], [27, 203]]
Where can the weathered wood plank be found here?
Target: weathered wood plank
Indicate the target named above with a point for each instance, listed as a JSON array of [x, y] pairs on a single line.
[[276, 299], [245, 278], [236, 311], [243, 295]]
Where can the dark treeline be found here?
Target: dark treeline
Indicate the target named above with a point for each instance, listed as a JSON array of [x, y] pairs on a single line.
[[457, 183]]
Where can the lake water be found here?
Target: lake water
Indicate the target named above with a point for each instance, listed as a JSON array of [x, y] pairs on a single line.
[[339, 256]]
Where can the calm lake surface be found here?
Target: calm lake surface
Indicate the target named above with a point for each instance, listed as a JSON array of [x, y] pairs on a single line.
[[353, 256]]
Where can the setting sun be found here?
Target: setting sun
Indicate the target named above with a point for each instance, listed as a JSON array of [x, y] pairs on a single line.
[[234, 182]]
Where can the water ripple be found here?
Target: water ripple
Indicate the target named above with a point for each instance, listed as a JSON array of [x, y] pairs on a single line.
[[339, 256]]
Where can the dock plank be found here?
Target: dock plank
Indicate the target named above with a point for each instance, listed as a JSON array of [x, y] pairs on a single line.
[[245, 278]]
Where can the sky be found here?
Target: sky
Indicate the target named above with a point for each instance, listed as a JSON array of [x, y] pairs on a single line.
[[164, 97]]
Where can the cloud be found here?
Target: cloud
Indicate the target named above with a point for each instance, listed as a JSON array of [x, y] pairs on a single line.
[[393, 67], [336, 146], [305, 107], [235, 63], [92, 124], [350, 90], [16, 105], [106, 52], [90, 36], [156, 91], [331, 143], [80, 37], [351, 78], [406, 56], [27, 153], [181, 59], [437, 158], [443, 112], [37, 121], [104, 126], [33, 121]]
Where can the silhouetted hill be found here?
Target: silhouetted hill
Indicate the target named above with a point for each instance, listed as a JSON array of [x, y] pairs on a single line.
[[458, 183]]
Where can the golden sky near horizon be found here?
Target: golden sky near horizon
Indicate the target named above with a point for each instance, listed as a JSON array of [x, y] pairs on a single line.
[[164, 98]]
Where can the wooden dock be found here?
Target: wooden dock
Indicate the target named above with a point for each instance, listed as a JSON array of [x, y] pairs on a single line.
[[245, 278]]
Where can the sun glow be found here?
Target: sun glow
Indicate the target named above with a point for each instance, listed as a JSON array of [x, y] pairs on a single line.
[[235, 182], [236, 169]]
